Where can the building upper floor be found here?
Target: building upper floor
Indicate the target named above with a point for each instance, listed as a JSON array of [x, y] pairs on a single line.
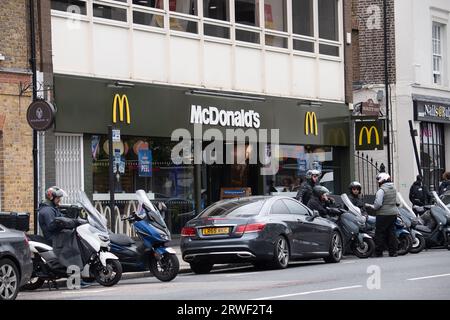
[[290, 48], [422, 41]]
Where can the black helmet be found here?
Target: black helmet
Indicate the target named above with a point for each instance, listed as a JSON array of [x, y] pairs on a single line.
[[354, 184], [54, 192], [311, 173], [319, 191]]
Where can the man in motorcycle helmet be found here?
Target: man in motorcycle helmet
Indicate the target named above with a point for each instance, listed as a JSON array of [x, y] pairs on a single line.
[[418, 193], [385, 208], [321, 202], [306, 190], [48, 211], [354, 195]]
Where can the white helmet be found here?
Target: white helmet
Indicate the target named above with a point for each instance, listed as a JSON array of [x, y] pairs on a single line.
[[383, 177]]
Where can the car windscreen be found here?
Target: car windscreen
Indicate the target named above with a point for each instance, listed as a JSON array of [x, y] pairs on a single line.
[[234, 209]]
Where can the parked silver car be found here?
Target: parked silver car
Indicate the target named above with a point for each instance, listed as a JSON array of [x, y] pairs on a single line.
[[15, 262]]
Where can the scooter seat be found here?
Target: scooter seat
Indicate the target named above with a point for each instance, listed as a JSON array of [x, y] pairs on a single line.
[[121, 239], [423, 229]]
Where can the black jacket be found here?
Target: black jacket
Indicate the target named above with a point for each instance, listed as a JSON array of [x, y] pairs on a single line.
[[305, 192], [322, 207], [418, 194], [47, 214], [445, 186]]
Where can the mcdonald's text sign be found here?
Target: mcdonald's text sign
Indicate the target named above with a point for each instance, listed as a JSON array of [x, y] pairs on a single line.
[[121, 105]]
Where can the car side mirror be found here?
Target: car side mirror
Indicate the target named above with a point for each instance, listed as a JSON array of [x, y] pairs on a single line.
[[315, 215]]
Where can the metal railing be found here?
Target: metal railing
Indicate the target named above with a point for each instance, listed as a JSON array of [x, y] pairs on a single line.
[[366, 172]]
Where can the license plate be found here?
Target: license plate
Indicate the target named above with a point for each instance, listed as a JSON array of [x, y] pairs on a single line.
[[215, 231]]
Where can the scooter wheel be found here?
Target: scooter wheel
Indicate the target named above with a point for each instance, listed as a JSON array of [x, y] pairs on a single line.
[[404, 244], [365, 250], [418, 244], [165, 269], [110, 274]]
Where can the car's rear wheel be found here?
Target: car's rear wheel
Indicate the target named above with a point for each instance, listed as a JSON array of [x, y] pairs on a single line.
[[281, 253], [335, 252], [9, 280], [201, 267]]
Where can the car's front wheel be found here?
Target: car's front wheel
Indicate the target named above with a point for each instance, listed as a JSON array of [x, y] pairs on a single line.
[[9, 280], [335, 251], [281, 253]]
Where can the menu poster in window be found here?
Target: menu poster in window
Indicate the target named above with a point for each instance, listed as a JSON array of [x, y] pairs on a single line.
[[145, 163], [95, 142]]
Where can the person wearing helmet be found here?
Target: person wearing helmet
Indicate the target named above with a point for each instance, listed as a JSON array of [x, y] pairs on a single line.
[[444, 186], [354, 195], [385, 208], [320, 201], [48, 211], [418, 193], [306, 190]]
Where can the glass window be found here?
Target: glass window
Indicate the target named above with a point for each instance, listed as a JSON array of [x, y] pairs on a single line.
[[437, 53], [184, 25], [216, 31], [279, 208], [432, 153], [328, 20], [246, 12], [148, 19], [296, 208], [329, 50], [241, 208], [71, 6], [301, 45], [275, 15], [158, 4], [107, 12], [303, 17], [184, 6], [276, 41], [216, 9], [247, 36], [294, 161]]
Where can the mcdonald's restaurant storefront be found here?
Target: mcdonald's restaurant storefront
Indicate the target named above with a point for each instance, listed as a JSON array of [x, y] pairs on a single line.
[[310, 136]]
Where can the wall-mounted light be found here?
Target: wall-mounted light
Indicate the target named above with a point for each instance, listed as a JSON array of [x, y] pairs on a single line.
[[216, 94], [120, 84]]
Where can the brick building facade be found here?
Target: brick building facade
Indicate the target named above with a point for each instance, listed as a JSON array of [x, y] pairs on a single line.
[[16, 136]]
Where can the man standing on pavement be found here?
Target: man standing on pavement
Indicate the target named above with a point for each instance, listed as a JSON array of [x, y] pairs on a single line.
[[385, 207]]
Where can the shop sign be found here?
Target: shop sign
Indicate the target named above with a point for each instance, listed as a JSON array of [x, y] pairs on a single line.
[[431, 112], [213, 116], [369, 135], [145, 163], [370, 108], [121, 105], [40, 115], [311, 123]]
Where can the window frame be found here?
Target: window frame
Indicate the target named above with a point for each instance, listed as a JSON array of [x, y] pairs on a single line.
[[440, 42]]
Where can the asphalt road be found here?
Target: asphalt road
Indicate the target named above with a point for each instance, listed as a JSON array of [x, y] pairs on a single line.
[[421, 276]]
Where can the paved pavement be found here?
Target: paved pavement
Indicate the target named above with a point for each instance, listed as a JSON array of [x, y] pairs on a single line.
[[422, 276]]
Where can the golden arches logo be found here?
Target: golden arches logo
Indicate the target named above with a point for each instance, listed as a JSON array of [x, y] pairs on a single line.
[[122, 102], [369, 135], [311, 124]]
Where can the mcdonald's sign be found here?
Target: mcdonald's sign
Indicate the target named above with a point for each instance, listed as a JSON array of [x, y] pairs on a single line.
[[311, 124], [369, 135], [121, 101]]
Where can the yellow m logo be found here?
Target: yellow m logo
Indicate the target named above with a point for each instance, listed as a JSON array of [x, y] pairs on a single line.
[[311, 124], [369, 135], [122, 101]]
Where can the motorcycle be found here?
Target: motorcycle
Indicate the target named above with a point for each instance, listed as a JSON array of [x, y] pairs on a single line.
[[149, 252], [88, 245], [411, 222], [351, 223], [434, 223]]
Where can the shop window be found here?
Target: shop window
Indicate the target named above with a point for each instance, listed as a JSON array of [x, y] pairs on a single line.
[[275, 15], [246, 12], [111, 13], [294, 162], [70, 6], [148, 19], [432, 153], [328, 20], [303, 17]]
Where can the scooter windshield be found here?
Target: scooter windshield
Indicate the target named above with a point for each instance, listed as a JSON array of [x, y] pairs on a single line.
[[351, 207], [407, 208], [439, 203], [144, 202], [95, 218]]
